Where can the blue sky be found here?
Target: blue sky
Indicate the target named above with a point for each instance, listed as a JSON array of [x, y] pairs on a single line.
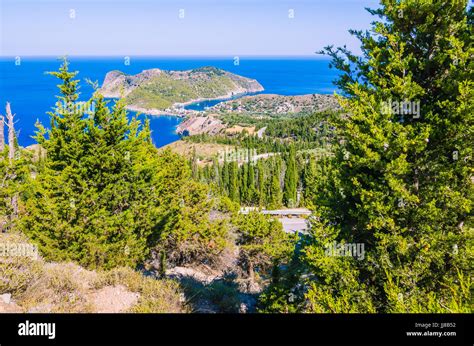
[[154, 27]]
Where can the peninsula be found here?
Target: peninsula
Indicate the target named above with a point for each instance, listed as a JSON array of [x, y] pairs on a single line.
[[157, 91]]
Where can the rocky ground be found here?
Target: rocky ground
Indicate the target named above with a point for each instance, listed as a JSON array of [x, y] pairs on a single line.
[[78, 288], [220, 289], [29, 284], [32, 285], [194, 125]]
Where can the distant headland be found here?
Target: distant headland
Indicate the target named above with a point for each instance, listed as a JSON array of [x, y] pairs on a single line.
[[158, 92]]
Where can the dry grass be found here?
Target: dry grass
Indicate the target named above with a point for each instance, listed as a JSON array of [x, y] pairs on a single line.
[[17, 273], [239, 129], [204, 151], [58, 289], [36, 286]]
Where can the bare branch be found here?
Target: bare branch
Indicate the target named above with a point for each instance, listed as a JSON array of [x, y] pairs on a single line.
[[11, 133], [2, 134]]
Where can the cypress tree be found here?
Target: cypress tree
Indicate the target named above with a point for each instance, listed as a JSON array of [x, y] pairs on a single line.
[[262, 197], [244, 184], [251, 184], [225, 177], [291, 178], [233, 181], [275, 194], [194, 166]]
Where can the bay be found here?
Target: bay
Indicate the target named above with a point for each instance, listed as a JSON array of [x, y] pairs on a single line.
[[31, 91]]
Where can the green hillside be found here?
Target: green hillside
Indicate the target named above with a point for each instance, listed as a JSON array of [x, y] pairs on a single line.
[[163, 90]]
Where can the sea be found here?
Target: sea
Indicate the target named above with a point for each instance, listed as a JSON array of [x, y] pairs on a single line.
[[31, 91]]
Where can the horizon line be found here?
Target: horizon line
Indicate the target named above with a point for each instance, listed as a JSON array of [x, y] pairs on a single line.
[[167, 56]]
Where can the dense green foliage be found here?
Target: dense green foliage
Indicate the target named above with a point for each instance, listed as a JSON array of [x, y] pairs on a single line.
[[95, 191], [392, 184], [263, 243], [250, 183], [272, 180], [291, 179], [15, 175], [304, 132], [189, 235], [105, 196], [400, 184]]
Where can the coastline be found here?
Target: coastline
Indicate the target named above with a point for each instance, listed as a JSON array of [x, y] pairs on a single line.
[[178, 109], [32, 78]]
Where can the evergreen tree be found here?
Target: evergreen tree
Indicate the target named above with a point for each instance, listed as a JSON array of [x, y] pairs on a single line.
[[233, 181], [225, 176], [252, 192], [263, 243], [262, 197], [190, 236], [104, 188], [401, 180], [310, 182], [215, 172], [244, 184], [291, 179], [275, 194]]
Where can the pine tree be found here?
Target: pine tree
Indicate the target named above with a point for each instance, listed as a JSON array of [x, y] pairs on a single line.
[[291, 178], [262, 197], [252, 192], [233, 181], [275, 194], [244, 184], [104, 188]]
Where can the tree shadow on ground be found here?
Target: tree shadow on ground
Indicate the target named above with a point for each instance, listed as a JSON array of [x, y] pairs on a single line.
[[222, 295]]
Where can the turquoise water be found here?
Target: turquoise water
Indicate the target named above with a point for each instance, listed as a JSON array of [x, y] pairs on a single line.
[[31, 92]]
